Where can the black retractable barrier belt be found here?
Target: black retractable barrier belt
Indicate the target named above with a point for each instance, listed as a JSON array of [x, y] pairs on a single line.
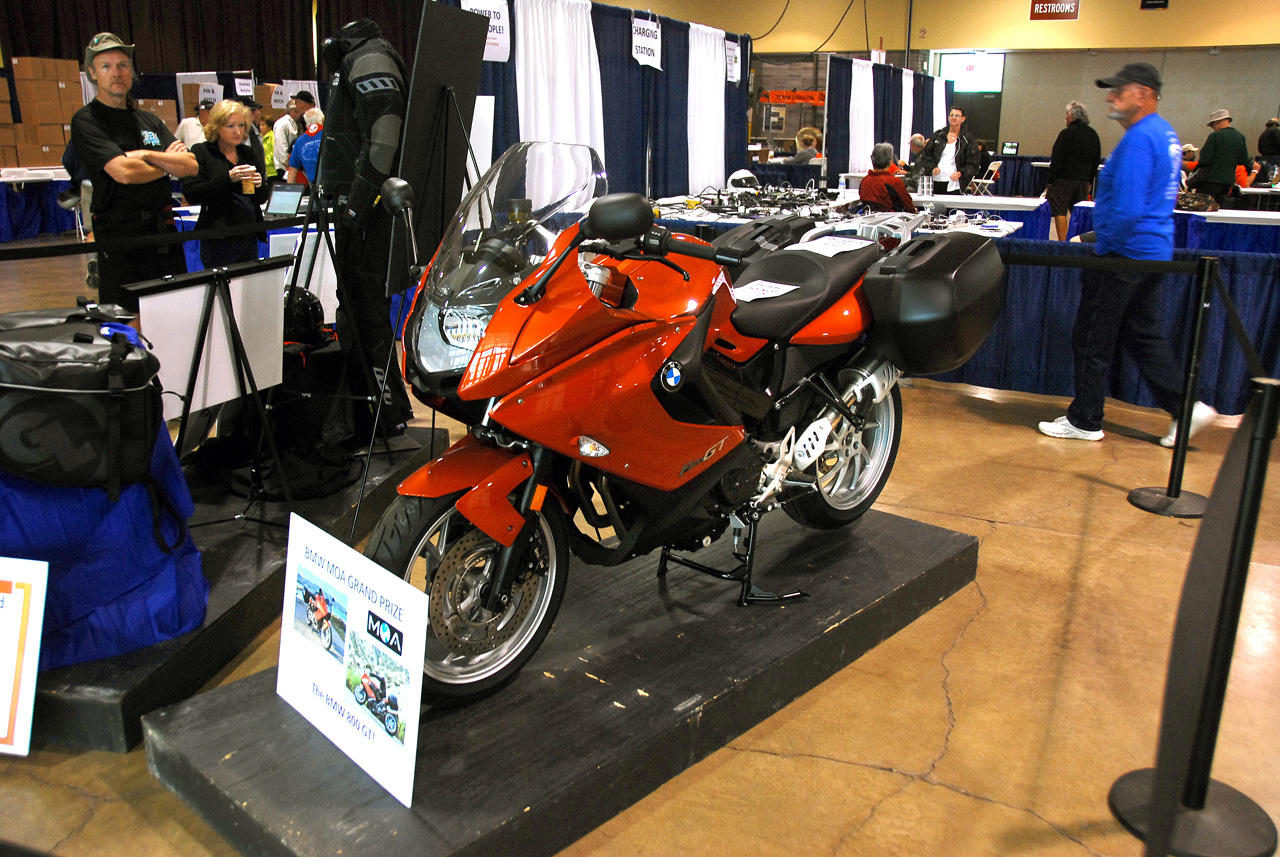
[[49, 251], [1098, 263]]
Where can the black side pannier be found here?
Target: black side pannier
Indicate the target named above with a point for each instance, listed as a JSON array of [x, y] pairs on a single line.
[[79, 401], [934, 299]]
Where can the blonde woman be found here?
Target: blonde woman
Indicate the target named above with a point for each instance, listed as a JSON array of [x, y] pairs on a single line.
[[228, 187]]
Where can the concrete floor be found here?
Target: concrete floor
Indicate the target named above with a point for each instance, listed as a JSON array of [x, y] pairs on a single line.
[[993, 725]]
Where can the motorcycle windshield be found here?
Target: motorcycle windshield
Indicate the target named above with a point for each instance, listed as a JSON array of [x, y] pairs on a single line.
[[504, 228]]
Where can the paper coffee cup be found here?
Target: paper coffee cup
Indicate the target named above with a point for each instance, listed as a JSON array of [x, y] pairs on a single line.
[[246, 185]]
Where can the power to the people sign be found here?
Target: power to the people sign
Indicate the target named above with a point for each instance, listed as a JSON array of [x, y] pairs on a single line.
[[1055, 10]]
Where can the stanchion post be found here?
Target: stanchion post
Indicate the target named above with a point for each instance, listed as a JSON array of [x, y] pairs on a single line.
[[1172, 502], [1268, 392]]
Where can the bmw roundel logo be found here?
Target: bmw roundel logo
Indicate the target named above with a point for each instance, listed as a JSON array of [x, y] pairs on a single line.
[[672, 376]]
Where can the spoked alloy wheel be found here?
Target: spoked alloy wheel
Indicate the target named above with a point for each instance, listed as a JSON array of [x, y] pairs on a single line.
[[853, 467], [391, 723], [361, 696], [470, 651], [326, 635]]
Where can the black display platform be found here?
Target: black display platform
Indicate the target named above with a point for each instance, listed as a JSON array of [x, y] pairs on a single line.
[[637, 681], [98, 705]]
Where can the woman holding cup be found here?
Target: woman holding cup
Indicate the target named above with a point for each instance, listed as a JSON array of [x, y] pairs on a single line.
[[228, 186]]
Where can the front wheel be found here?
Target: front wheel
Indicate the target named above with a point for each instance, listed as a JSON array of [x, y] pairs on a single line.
[[361, 696], [853, 467], [326, 635], [470, 651]]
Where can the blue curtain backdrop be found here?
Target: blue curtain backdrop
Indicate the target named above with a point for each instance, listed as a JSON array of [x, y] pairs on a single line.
[[669, 100], [622, 91], [736, 105], [921, 109], [887, 81], [839, 93]]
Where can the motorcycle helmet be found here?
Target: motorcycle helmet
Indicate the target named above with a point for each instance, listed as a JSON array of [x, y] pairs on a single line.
[[743, 179]]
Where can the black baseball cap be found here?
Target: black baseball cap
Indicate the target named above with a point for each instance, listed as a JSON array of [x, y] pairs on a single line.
[[303, 95], [207, 104], [250, 102], [1135, 72]]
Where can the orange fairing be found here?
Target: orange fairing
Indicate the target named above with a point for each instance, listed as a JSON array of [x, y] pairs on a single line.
[[462, 465], [724, 337], [607, 395], [844, 321], [487, 505]]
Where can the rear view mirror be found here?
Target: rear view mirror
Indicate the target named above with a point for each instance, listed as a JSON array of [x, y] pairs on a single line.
[[618, 216]]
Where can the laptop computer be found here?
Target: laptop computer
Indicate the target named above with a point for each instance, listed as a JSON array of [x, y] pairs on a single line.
[[285, 200]]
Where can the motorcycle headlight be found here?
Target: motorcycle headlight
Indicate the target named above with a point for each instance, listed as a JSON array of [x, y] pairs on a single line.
[[463, 327]]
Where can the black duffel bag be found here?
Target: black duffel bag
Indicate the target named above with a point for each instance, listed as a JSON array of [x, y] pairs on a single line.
[[79, 400]]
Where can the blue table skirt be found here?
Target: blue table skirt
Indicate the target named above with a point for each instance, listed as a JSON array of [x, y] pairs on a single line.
[[1193, 232], [192, 248], [1030, 348], [795, 175], [32, 210]]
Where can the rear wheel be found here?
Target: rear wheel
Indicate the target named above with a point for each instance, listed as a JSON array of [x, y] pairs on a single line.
[[853, 467], [470, 651]]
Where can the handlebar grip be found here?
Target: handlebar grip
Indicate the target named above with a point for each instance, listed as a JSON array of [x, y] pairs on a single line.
[[661, 240]]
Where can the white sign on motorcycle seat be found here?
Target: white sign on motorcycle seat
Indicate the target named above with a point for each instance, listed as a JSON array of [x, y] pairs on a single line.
[[830, 245], [760, 290], [352, 644], [646, 42], [497, 45]]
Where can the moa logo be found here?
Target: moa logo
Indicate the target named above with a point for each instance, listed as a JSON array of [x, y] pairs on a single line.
[[385, 633]]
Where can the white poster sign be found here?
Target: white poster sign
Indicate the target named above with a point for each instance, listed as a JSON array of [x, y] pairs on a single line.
[[23, 584], [351, 650], [211, 90], [244, 86], [497, 47], [733, 60], [279, 98], [646, 42]]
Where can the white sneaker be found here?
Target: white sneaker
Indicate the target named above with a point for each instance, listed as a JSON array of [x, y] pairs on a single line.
[[1201, 416], [1062, 427]]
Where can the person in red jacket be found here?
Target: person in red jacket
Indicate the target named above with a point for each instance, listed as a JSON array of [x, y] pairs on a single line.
[[882, 189]]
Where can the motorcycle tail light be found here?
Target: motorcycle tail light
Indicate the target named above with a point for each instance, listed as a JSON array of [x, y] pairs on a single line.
[[591, 448], [463, 327]]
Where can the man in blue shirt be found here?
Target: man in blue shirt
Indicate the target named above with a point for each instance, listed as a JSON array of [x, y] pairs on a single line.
[[1133, 219], [306, 150]]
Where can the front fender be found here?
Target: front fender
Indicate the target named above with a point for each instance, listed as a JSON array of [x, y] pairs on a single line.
[[491, 474]]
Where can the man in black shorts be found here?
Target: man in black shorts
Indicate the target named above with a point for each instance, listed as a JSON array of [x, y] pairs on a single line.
[[129, 155], [1073, 166]]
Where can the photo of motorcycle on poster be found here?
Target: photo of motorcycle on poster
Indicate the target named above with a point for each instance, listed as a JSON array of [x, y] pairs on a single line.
[[351, 653]]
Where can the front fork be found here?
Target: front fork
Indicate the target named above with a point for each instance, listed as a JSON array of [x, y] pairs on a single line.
[[506, 564]]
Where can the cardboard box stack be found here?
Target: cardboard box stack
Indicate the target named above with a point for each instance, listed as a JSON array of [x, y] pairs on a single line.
[[8, 144], [165, 108], [48, 95]]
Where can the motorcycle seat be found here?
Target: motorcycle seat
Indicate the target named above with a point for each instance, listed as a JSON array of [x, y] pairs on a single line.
[[821, 281]]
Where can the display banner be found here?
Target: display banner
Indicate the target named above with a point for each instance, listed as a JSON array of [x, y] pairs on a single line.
[[352, 644], [794, 96], [1055, 10], [244, 86], [646, 42], [733, 61], [279, 98], [211, 90], [497, 46], [23, 584]]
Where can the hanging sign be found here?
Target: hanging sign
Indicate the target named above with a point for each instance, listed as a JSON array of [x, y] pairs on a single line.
[[733, 60], [23, 583], [279, 98], [211, 90], [794, 96], [244, 86], [497, 46], [646, 42], [1055, 10], [351, 650]]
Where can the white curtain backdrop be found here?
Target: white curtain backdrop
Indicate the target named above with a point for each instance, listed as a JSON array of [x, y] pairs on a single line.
[[908, 103], [706, 108], [558, 73], [939, 103], [862, 117]]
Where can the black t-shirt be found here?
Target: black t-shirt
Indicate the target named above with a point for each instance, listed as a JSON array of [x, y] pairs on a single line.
[[100, 133]]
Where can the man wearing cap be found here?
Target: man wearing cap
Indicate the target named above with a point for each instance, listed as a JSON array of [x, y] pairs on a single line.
[[254, 136], [1223, 150], [1133, 219], [191, 130], [289, 126], [1269, 145], [129, 155]]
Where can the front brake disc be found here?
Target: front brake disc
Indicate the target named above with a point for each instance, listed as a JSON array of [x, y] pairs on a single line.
[[458, 617]]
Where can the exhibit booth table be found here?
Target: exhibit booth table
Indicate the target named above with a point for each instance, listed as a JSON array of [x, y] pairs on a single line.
[[1227, 230], [780, 175], [30, 203], [1031, 212], [1030, 348]]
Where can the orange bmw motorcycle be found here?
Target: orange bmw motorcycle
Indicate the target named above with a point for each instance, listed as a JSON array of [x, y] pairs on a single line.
[[629, 390]]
